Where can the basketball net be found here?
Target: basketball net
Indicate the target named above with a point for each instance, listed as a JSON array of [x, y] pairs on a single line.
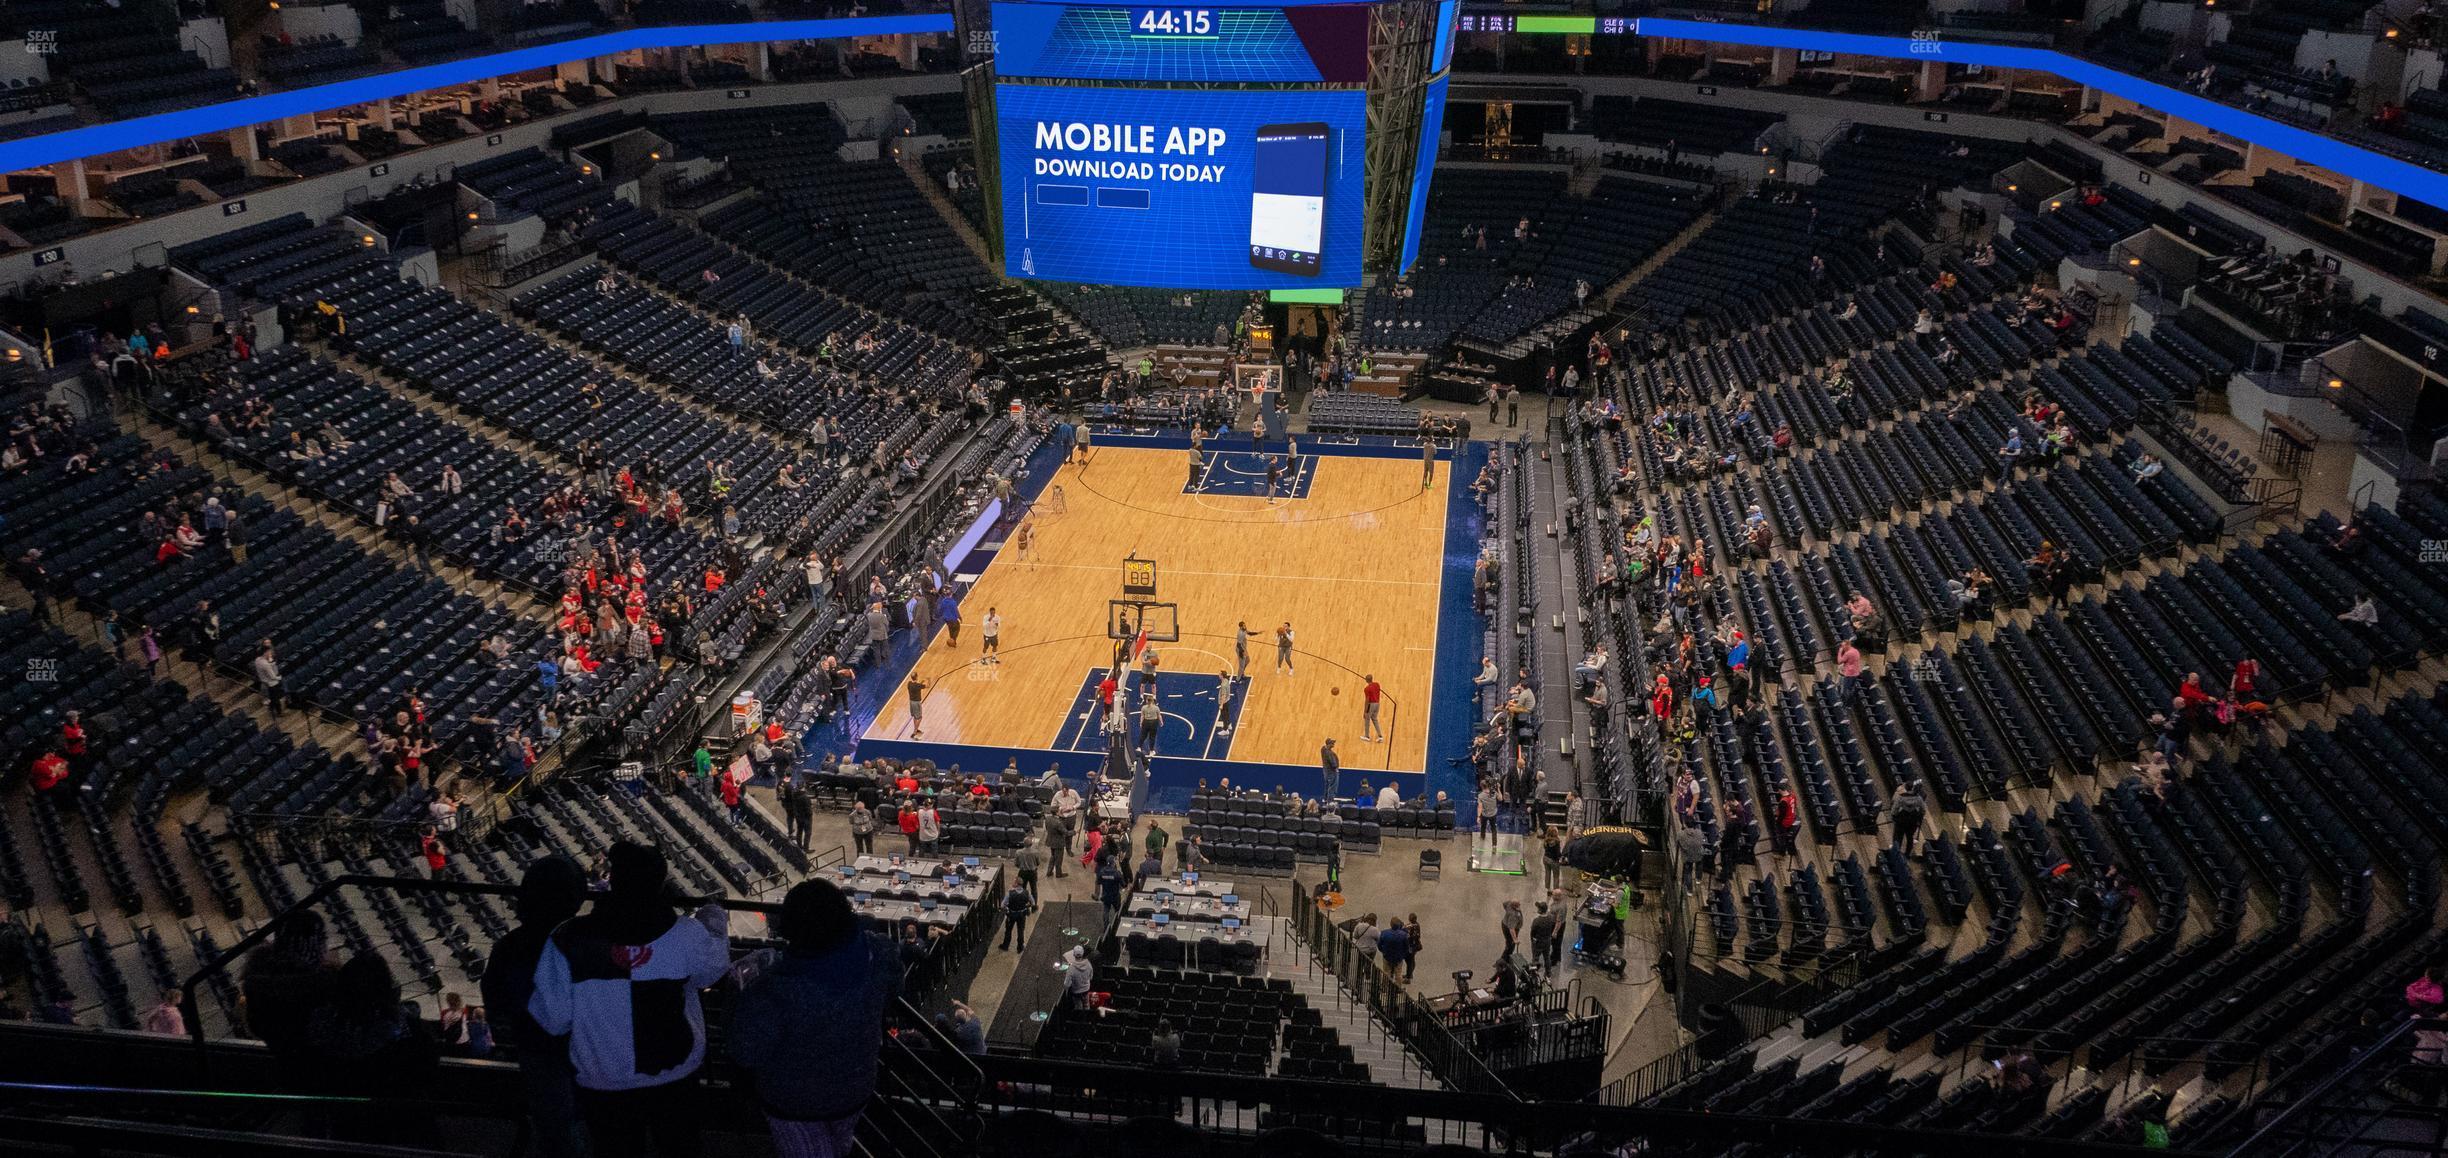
[[1256, 379]]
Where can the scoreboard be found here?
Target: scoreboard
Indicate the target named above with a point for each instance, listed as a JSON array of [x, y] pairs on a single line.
[[1215, 146], [1316, 43]]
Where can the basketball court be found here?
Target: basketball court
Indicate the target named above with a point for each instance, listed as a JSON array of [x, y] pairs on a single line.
[[1141, 548]]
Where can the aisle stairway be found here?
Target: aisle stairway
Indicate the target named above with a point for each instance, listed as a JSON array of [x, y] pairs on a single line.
[[1388, 1062]]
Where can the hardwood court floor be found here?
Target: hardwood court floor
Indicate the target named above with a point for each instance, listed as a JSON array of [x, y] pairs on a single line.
[[1355, 567]]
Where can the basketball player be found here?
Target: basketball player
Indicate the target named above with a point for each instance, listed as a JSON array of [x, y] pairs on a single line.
[[992, 629], [1024, 539], [1079, 443], [1370, 733], [1241, 650], [1283, 648], [1106, 688], [917, 698], [1224, 681], [1427, 462], [1274, 477]]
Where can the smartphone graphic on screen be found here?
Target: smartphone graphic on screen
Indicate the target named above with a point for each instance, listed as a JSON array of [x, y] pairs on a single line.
[[1288, 198]]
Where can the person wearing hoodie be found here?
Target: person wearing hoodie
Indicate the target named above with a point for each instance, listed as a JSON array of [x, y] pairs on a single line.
[[621, 983], [809, 1028], [552, 892]]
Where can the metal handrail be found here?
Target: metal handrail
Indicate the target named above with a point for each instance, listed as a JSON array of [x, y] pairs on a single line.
[[2392, 1041], [96, 1136]]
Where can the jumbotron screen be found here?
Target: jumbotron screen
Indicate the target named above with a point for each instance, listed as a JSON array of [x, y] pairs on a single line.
[[1141, 181], [1182, 189]]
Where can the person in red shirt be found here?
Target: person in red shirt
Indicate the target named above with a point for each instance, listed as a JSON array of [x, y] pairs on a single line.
[[731, 796], [1788, 821], [2247, 673], [49, 769], [2190, 697], [909, 824], [429, 845], [72, 737], [1105, 696], [1370, 733]]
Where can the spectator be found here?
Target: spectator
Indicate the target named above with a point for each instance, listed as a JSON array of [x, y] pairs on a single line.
[[552, 892], [862, 827], [165, 1017], [1907, 810], [965, 1029], [1542, 934], [479, 1034], [1165, 1045], [2363, 617], [365, 1042], [1849, 664], [1078, 976], [268, 680], [286, 981], [810, 1027], [1394, 948], [2426, 999], [605, 981], [1692, 848]]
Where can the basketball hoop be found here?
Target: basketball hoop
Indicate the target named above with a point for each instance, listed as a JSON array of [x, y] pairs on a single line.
[[1257, 379]]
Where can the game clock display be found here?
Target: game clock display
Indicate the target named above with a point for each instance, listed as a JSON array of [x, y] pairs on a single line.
[[1323, 43], [1162, 22]]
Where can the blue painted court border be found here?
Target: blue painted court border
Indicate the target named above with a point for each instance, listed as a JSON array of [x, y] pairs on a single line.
[[1454, 707], [2329, 153]]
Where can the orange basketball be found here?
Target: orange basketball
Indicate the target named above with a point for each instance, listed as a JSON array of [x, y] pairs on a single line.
[[1334, 691]]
